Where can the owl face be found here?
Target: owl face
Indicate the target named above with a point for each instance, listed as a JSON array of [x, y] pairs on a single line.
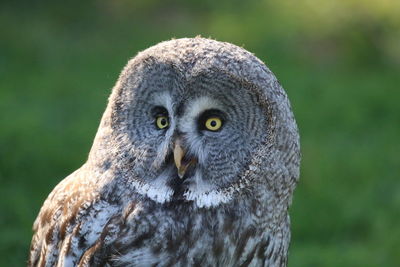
[[187, 133], [197, 121]]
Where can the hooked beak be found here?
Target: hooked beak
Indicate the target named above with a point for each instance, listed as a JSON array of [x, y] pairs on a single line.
[[182, 164]]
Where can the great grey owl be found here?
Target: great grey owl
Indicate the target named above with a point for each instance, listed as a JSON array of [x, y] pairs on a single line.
[[194, 164]]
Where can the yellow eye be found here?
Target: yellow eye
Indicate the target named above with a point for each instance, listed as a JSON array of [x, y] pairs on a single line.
[[162, 122], [213, 123]]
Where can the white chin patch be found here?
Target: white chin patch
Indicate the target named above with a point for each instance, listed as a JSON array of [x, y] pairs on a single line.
[[203, 199], [208, 199], [205, 195], [160, 194], [201, 193], [157, 191]]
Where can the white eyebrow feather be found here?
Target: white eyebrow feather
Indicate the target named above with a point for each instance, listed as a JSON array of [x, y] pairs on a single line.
[[163, 99], [199, 105]]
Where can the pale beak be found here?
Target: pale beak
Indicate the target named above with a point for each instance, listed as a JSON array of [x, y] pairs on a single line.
[[181, 164]]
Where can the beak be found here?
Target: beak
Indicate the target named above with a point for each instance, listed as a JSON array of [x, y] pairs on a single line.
[[180, 162]]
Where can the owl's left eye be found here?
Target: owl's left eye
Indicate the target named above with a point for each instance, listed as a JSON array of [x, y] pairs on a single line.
[[211, 120], [213, 124]]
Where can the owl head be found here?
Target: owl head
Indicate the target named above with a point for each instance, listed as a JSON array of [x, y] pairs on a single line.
[[197, 121]]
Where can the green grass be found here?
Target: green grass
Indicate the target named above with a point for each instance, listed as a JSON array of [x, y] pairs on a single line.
[[58, 63]]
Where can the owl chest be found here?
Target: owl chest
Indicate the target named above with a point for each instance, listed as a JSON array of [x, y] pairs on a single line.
[[201, 240]]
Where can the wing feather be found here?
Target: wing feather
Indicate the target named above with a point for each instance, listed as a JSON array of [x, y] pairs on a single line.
[[73, 223]]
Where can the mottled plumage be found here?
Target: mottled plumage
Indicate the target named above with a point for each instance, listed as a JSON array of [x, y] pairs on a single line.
[[194, 164]]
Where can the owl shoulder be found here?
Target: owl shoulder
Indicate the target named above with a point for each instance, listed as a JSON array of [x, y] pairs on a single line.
[[73, 223]]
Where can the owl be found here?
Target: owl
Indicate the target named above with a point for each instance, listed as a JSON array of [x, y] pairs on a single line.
[[194, 164]]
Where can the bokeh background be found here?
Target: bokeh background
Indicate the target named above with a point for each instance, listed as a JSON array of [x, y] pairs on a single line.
[[338, 60]]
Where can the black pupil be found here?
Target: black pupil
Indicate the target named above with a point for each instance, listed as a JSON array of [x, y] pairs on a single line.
[[163, 121], [213, 123]]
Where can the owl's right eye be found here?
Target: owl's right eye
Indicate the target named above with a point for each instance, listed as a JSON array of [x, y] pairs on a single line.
[[161, 118], [162, 122]]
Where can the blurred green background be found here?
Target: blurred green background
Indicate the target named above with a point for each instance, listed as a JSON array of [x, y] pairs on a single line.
[[339, 61]]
